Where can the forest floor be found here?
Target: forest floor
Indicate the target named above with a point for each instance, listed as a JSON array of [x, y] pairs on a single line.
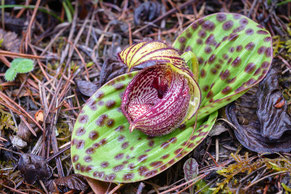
[[74, 45]]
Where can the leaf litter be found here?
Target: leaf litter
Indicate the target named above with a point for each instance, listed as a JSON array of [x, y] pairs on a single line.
[[262, 121], [61, 51]]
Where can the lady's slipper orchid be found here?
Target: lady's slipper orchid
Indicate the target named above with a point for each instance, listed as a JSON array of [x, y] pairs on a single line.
[[160, 97], [234, 53]]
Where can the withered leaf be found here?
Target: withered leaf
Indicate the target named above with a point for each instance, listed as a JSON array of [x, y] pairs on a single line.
[[262, 125], [24, 132], [147, 11], [86, 88], [18, 142], [7, 155], [217, 130], [71, 182], [111, 68], [10, 41], [33, 168], [190, 169]]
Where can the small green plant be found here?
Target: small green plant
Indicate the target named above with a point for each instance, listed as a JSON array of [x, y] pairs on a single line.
[[18, 65]]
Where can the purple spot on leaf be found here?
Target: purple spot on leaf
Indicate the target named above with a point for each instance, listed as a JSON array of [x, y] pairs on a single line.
[[124, 145], [173, 140], [236, 62], [80, 144], [225, 74], [142, 158], [265, 64], [75, 158], [99, 95], [104, 164], [202, 33], [156, 164], [120, 128], [110, 103], [110, 123], [151, 143], [220, 17], [90, 150], [93, 135], [209, 95], [208, 50], [182, 39], [194, 26], [250, 82], [119, 86], [233, 37], [213, 71], [87, 158], [80, 131], [128, 176], [101, 103], [261, 50], [227, 25], [250, 46], [205, 88], [83, 119], [249, 31], [211, 59], [110, 177], [226, 90], [142, 170], [208, 25], [202, 73], [119, 156], [267, 39], [199, 41], [101, 120], [239, 48], [200, 60], [93, 105], [257, 72], [210, 40], [250, 67], [236, 16], [268, 52], [151, 173], [243, 21]]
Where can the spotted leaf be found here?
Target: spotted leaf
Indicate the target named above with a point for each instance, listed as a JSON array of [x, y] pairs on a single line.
[[234, 53], [103, 147]]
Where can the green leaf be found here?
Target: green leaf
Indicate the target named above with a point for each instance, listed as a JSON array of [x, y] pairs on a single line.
[[234, 54], [10, 74], [21, 65]]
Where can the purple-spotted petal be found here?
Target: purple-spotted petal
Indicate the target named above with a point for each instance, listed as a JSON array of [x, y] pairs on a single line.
[[156, 100]]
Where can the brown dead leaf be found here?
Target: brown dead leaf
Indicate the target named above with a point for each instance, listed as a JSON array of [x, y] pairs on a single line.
[[39, 116], [263, 125], [71, 182], [24, 132], [86, 88], [33, 168], [10, 41], [98, 187]]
